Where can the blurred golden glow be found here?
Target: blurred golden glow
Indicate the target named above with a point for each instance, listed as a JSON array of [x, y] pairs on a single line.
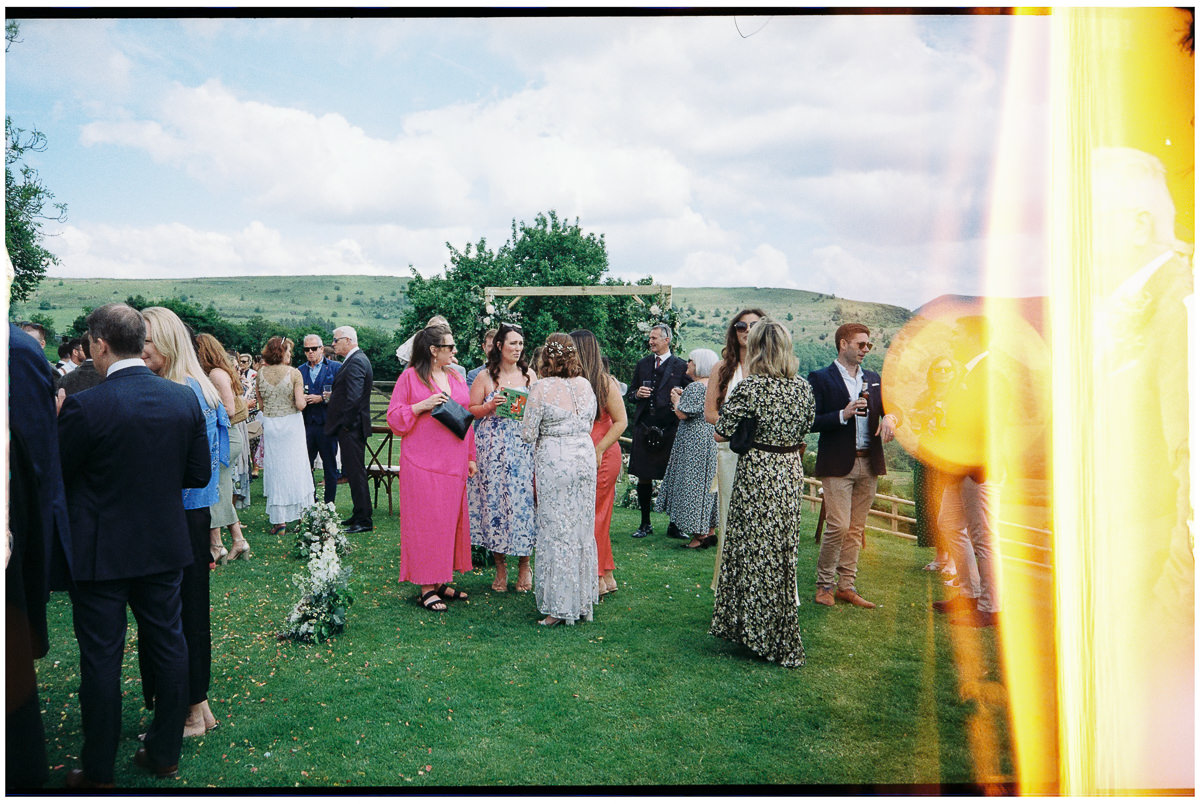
[[1124, 147], [1096, 637]]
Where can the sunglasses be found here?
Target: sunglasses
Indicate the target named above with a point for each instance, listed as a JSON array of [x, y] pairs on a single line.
[[445, 346], [512, 326], [742, 326], [313, 348]]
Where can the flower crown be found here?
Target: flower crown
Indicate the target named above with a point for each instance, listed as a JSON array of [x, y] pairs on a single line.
[[559, 349]]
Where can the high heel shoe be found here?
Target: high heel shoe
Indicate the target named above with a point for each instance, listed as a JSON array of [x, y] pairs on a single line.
[[241, 549], [218, 552], [279, 530]]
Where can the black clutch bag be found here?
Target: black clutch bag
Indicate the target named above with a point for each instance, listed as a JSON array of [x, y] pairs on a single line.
[[457, 418], [743, 436]]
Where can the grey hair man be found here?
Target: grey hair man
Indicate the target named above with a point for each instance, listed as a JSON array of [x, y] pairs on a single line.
[[319, 374], [348, 418], [654, 421]]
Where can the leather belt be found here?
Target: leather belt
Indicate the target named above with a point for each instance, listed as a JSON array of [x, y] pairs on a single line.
[[862, 453], [773, 448]]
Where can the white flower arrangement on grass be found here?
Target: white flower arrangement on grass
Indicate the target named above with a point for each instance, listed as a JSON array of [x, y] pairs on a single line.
[[325, 589], [319, 523]]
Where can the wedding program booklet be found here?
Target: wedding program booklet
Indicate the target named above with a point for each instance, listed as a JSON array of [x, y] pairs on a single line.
[[512, 403]]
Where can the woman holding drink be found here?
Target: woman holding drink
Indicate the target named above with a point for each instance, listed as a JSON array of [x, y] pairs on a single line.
[[501, 493]]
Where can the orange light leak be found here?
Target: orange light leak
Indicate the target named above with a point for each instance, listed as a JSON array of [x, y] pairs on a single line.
[[1096, 567]]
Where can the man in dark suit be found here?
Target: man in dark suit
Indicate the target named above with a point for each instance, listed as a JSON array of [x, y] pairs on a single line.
[[129, 546], [654, 421], [38, 552], [348, 417], [317, 372], [83, 377], [853, 428]]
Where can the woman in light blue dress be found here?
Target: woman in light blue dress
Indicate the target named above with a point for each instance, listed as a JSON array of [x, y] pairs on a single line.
[[500, 495]]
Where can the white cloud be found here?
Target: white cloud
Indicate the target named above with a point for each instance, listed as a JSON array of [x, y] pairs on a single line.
[[766, 267], [838, 154], [176, 250]]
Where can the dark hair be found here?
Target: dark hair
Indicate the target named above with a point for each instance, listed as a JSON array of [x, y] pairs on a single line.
[[28, 325], [422, 358], [593, 365], [493, 358], [64, 350], [120, 326], [86, 346], [847, 331], [560, 357], [731, 353]]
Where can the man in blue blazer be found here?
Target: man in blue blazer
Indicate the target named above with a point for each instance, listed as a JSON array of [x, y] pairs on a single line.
[[129, 446], [654, 420], [38, 551], [317, 372], [853, 428], [349, 419]]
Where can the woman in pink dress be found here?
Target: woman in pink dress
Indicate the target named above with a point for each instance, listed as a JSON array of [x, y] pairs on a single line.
[[435, 537], [609, 424]]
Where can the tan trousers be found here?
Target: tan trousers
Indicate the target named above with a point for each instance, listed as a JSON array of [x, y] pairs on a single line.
[[847, 501]]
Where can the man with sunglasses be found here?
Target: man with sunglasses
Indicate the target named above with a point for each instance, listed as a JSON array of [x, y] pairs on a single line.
[[853, 431], [317, 372]]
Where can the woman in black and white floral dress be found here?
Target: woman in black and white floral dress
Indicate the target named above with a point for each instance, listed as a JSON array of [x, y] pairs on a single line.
[[756, 592]]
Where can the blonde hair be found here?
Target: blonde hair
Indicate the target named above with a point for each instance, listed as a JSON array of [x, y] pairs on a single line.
[[173, 341], [770, 349]]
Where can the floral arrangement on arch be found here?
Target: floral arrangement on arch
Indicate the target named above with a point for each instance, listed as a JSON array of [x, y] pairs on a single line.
[[325, 589], [658, 312]]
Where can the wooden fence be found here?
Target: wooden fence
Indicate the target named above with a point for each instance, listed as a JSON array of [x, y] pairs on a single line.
[[1023, 543]]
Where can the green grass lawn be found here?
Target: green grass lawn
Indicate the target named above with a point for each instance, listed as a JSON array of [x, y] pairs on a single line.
[[481, 696]]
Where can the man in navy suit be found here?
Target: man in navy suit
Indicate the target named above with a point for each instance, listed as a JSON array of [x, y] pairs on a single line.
[[654, 420], [853, 430], [129, 446], [348, 417], [318, 372], [38, 551]]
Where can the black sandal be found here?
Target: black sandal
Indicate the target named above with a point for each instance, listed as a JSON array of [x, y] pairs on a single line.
[[430, 604], [446, 593]]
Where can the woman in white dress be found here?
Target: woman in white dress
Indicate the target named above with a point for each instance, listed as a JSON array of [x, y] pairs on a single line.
[[287, 479], [729, 371], [558, 417]]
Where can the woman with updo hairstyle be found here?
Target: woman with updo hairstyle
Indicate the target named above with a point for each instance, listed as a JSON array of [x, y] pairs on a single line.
[[169, 353], [756, 601], [435, 464], [287, 474], [611, 420], [558, 421], [500, 495]]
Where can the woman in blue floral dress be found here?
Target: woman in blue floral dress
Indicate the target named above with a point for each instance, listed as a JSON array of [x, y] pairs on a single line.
[[500, 495]]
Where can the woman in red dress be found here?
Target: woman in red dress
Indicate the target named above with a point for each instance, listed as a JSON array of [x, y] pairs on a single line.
[[610, 423]]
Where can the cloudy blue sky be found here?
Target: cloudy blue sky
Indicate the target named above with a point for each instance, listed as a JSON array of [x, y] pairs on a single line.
[[843, 154]]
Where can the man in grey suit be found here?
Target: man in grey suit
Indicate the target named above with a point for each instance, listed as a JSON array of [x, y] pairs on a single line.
[[129, 446], [348, 416]]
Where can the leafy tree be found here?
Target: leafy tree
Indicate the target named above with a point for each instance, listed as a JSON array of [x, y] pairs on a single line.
[[548, 252], [47, 324], [27, 202]]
